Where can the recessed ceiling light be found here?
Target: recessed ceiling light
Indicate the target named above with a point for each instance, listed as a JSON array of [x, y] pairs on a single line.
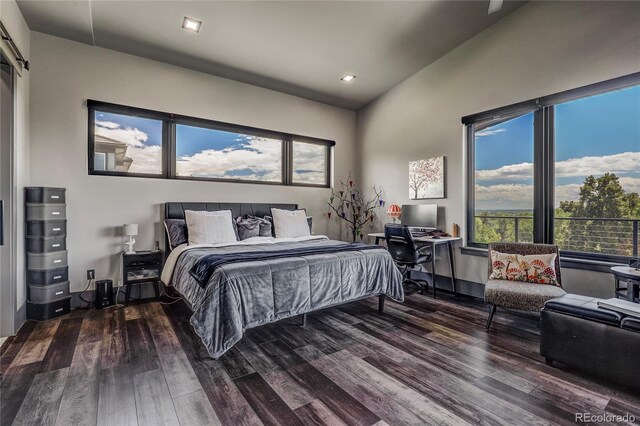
[[191, 24], [348, 77]]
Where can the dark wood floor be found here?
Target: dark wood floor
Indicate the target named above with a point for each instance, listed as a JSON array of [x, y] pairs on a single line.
[[423, 362]]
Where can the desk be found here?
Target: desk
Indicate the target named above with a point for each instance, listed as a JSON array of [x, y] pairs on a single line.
[[630, 276], [434, 242]]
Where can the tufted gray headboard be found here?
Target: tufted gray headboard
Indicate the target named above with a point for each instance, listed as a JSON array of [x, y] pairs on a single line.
[[174, 210]]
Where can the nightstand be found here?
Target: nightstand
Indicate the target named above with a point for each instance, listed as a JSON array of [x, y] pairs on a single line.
[[141, 267]]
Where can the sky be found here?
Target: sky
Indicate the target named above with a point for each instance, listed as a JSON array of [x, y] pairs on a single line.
[[593, 136], [202, 152]]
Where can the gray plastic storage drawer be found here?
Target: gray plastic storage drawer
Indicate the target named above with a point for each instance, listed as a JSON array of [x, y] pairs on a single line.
[[46, 244], [47, 228], [46, 212], [46, 311], [47, 260], [48, 276], [48, 293], [40, 195]]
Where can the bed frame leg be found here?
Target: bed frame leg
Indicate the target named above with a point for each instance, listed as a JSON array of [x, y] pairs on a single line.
[[304, 320], [381, 299]]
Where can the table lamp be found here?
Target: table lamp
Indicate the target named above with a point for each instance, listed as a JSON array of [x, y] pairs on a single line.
[[130, 230], [394, 211]]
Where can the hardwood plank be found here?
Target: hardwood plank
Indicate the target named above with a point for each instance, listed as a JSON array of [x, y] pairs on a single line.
[[92, 327], [349, 409], [180, 377], [142, 352], [15, 344], [194, 409], [63, 345], [269, 407], [230, 405], [164, 337], [622, 408], [114, 342], [452, 392], [41, 404], [37, 344], [315, 413], [529, 402], [291, 392], [235, 363], [15, 384], [390, 399], [132, 311], [153, 401], [79, 405], [116, 400]]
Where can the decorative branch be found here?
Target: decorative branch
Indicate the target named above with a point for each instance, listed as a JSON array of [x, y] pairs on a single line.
[[350, 205]]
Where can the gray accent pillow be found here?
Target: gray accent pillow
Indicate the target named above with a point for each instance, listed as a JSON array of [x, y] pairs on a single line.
[[176, 232], [247, 227]]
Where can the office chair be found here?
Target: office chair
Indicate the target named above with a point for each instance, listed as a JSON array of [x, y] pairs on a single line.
[[407, 254]]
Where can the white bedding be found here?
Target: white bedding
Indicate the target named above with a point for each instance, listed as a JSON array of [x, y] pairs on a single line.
[[170, 264]]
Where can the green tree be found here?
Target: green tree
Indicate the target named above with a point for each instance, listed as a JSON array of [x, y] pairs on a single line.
[[600, 198]]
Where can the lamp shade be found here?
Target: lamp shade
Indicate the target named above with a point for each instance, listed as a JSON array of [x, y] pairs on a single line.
[[394, 211], [131, 229]]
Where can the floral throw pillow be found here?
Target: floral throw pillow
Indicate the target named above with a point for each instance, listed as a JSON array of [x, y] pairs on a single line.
[[540, 268], [506, 266]]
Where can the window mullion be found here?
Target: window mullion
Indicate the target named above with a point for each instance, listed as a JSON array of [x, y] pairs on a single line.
[[539, 179], [549, 132]]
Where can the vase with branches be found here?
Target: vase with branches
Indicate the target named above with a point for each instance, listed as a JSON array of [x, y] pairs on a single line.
[[353, 206]]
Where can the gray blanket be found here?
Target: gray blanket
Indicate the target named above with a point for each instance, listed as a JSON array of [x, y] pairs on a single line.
[[243, 295]]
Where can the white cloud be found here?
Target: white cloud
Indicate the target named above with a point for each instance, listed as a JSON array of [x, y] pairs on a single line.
[[520, 196], [146, 159], [489, 132], [260, 155], [575, 167], [107, 124], [309, 158], [129, 135]]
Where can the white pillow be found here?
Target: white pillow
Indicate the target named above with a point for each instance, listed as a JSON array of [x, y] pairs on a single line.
[[210, 227], [290, 223]]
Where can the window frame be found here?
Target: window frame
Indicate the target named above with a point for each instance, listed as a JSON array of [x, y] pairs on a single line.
[[543, 159], [171, 121]]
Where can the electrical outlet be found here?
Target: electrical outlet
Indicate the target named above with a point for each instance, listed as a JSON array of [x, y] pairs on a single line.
[[91, 274]]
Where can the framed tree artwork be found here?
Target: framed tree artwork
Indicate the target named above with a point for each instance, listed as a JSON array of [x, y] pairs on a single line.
[[426, 178]]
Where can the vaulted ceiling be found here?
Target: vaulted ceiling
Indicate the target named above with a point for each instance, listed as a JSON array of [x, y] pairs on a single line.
[[298, 47]]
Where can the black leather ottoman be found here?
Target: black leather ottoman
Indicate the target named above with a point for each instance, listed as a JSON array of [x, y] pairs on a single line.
[[578, 333]]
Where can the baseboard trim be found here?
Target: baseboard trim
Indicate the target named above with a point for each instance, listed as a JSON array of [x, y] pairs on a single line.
[[443, 282], [21, 316], [147, 293]]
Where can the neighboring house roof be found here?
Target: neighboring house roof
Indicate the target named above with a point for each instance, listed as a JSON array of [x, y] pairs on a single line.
[[113, 146]]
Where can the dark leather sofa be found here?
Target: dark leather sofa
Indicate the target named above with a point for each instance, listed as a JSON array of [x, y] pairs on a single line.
[[604, 343]]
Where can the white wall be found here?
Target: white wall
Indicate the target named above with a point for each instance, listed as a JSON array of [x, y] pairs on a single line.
[[65, 74], [540, 49], [17, 27]]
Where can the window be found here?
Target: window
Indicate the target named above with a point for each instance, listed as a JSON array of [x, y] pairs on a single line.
[[217, 154], [127, 144], [310, 163], [597, 170], [127, 141], [504, 180], [562, 169]]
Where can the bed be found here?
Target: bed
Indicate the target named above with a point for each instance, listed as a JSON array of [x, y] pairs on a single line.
[[309, 273]]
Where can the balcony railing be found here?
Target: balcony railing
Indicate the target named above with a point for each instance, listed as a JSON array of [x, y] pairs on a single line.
[[617, 237]]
